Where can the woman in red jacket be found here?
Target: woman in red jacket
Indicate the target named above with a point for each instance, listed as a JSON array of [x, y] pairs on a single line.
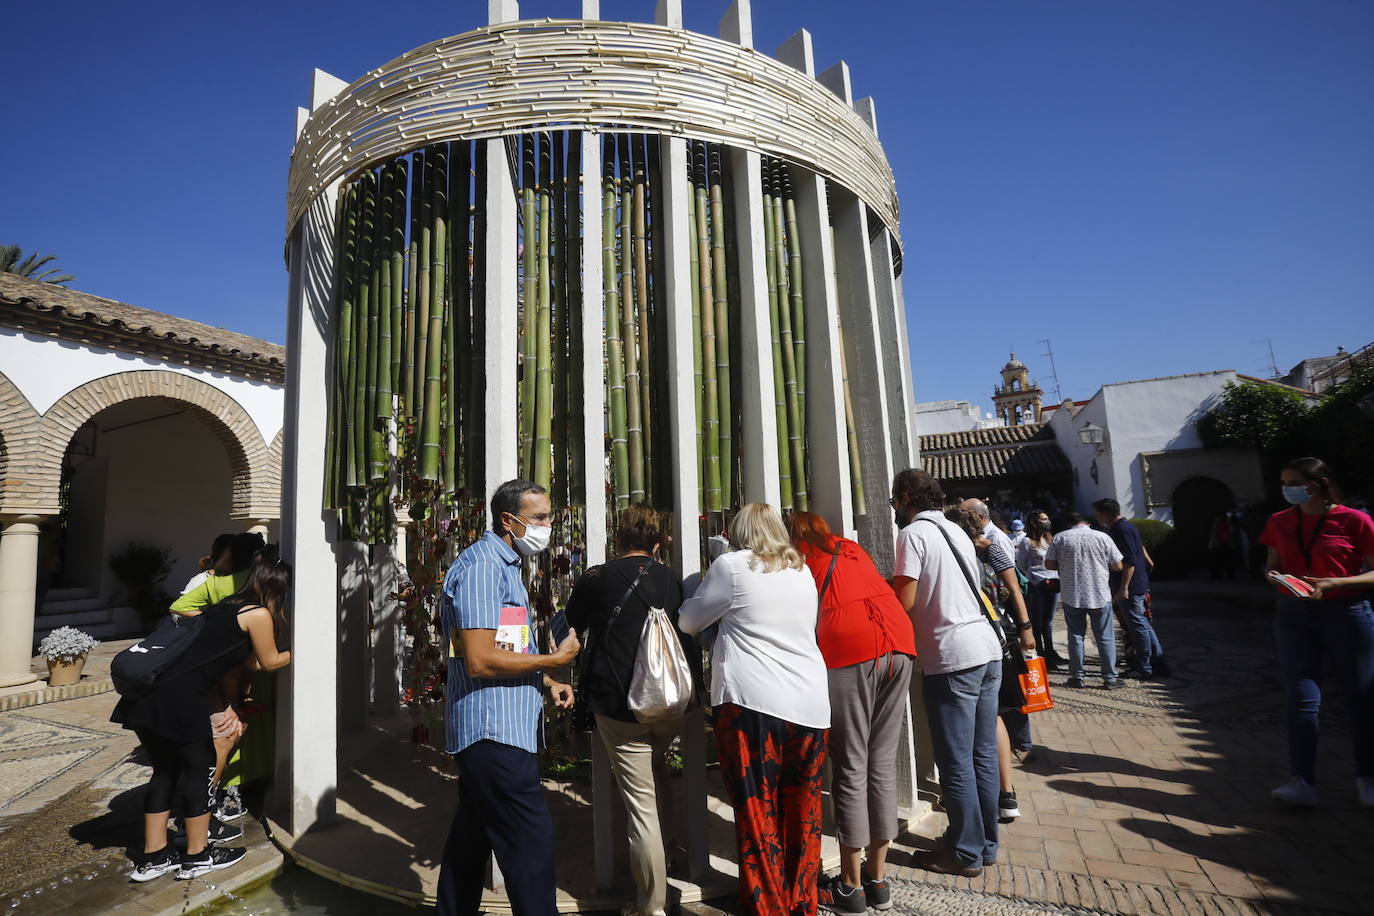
[[866, 639], [1331, 547]]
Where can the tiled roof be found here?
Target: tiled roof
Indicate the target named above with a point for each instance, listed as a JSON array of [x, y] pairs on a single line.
[[999, 451], [47, 309]]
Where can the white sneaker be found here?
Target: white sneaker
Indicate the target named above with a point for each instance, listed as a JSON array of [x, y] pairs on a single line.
[[1298, 792], [1364, 788]]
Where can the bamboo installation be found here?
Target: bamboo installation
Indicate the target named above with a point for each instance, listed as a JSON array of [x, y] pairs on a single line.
[[787, 326], [405, 391]]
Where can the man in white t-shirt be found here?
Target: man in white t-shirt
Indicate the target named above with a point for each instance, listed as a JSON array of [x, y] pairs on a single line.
[[1086, 558], [961, 660]]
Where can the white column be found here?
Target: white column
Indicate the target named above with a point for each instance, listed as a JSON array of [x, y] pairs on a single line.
[[737, 24], [758, 404], [896, 367], [832, 496], [502, 325], [591, 9], [308, 743], [18, 588], [859, 316], [387, 648], [677, 279], [593, 337], [669, 13], [499, 11]]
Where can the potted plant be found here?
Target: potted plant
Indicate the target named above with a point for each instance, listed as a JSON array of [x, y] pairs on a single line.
[[65, 650]]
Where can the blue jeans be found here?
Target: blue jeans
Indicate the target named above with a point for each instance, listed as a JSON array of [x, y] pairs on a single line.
[[1337, 633], [1141, 633], [962, 710], [1103, 634]]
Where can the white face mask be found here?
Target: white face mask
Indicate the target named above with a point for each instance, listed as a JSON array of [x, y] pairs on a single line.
[[534, 540]]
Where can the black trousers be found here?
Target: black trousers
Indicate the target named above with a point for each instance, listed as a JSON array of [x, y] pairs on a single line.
[[501, 810], [183, 775]]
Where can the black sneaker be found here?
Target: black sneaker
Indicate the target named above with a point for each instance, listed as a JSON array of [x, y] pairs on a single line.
[[1136, 674], [838, 897], [150, 865], [876, 892], [212, 859], [1074, 682], [230, 805], [1007, 808], [221, 833], [1113, 684]]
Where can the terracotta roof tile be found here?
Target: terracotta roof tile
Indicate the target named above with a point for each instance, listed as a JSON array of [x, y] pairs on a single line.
[[140, 327], [999, 451]]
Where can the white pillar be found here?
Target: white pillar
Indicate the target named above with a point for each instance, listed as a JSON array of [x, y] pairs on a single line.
[[387, 648], [677, 279], [307, 743], [499, 11], [18, 592], [758, 404], [593, 430], [591, 9], [863, 329], [832, 496], [669, 13], [502, 324], [737, 24]]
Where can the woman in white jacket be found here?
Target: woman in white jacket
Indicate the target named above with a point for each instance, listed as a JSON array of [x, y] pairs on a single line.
[[772, 709]]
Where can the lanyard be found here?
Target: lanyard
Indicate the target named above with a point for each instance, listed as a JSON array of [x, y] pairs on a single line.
[[1308, 547]]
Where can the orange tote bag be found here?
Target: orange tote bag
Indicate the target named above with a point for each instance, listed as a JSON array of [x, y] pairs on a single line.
[[1035, 684]]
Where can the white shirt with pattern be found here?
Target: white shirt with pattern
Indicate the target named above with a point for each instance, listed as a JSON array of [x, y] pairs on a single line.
[[1085, 558]]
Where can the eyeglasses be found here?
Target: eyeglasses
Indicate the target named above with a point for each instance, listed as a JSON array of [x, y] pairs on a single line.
[[539, 519], [892, 501]]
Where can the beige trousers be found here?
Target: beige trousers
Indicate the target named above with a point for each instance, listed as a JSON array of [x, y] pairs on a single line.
[[633, 749]]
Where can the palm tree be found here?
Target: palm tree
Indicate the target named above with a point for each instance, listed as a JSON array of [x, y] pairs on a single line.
[[10, 262]]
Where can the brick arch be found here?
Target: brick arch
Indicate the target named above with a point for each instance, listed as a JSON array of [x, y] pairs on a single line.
[[18, 431], [226, 418], [269, 484]]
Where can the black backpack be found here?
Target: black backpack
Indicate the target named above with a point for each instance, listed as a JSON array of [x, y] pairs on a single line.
[[137, 669]]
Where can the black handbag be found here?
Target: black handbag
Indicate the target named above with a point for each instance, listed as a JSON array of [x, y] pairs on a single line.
[[583, 719]]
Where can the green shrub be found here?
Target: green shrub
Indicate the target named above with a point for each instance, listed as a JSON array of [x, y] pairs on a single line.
[[1152, 533]]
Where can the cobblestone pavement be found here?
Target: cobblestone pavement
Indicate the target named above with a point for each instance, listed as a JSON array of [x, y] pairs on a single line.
[[1155, 798]]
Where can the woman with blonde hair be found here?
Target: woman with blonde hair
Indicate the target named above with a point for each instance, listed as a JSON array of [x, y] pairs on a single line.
[[772, 709]]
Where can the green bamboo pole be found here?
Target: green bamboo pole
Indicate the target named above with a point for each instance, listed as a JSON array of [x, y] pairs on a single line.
[[794, 267], [385, 215], [721, 292], [629, 326], [345, 364], [529, 286], [615, 354], [856, 471], [577, 455], [398, 261], [459, 366], [643, 313], [476, 412], [363, 333], [379, 326], [424, 288], [541, 466], [789, 353], [412, 256], [333, 420], [711, 418], [436, 159], [558, 312], [695, 260], [775, 336]]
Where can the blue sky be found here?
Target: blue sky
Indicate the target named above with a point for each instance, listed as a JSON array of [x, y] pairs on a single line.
[[1151, 184]]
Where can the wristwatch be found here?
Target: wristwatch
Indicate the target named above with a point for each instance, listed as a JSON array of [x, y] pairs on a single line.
[[1024, 626]]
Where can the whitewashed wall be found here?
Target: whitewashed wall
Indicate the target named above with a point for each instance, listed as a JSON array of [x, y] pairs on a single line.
[[45, 368]]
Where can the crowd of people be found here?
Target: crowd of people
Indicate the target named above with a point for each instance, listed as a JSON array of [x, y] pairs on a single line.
[[811, 651]]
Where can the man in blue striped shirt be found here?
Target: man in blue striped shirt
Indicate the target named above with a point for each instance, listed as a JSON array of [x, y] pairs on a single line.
[[494, 710]]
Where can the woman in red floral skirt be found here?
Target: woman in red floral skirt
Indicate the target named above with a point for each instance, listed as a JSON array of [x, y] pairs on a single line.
[[768, 687]]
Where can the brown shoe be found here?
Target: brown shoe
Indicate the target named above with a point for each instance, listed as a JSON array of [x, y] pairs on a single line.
[[947, 864]]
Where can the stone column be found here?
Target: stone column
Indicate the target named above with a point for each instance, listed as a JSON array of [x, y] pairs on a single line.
[[18, 587]]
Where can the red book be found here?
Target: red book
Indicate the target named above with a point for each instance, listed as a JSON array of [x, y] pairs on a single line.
[[1292, 584]]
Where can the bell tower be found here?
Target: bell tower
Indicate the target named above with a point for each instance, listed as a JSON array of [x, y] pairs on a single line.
[[1017, 399]]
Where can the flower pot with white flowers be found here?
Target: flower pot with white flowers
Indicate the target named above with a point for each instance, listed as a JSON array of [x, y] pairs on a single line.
[[65, 650]]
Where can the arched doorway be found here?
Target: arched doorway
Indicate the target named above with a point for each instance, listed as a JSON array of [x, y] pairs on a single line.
[[1197, 501]]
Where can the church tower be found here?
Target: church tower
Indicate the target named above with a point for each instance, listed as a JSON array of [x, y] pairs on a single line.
[[1017, 399]]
